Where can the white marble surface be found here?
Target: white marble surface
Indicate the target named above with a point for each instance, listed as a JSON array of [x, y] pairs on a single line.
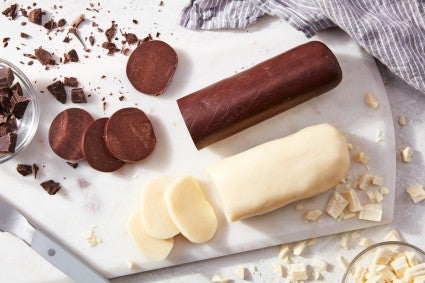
[[408, 217]]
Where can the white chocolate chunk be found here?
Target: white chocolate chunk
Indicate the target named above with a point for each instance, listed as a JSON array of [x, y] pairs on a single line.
[[241, 272], [364, 242], [151, 248], [283, 251], [312, 215], [411, 258], [342, 262], [336, 205], [344, 242], [355, 235], [349, 215], [371, 196], [378, 195], [416, 193], [385, 191], [320, 264], [359, 274], [385, 272], [363, 181], [219, 279], [415, 271], [131, 264], [354, 204], [154, 213], [315, 159], [392, 235], [299, 247], [349, 146], [382, 256], [378, 181], [371, 212], [402, 121], [400, 265], [419, 279], [379, 136], [297, 271], [361, 157], [406, 154], [278, 269], [371, 101], [192, 214]]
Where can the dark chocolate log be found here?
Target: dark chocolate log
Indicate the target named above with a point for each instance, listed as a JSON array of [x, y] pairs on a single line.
[[261, 92]]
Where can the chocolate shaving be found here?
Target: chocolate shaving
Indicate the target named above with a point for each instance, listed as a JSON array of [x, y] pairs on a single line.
[[75, 33], [70, 81], [35, 168], [11, 12], [35, 16], [44, 57], [24, 169], [51, 187], [71, 56], [57, 89], [75, 23], [78, 95]]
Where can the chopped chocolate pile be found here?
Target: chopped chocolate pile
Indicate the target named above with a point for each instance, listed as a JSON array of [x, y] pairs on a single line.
[[44, 56], [8, 143], [71, 56], [70, 81], [24, 169], [78, 95], [11, 12], [35, 16], [57, 89], [51, 187]]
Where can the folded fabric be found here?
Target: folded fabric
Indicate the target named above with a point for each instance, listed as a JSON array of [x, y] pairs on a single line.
[[393, 31]]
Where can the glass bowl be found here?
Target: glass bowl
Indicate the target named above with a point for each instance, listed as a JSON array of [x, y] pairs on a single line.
[[365, 257], [27, 126]]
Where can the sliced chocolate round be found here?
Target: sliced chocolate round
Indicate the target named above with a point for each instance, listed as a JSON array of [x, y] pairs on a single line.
[[129, 135], [95, 151], [151, 66], [66, 133]]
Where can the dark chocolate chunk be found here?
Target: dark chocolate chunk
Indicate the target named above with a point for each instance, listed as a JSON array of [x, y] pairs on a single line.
[[35, 168], [131, 38], [66, 133], [9, 126], [75, 23], [17, 89], [95, 151], [24, 169], [151, 67], [50, 25], [51, 187], [35, 16], [61, 22], [70, 81], [71, 56], [24, 35], [57, 89], [11, 11], [78, 95], [6, 77], [73, 165], [110, 32], [18, 105], [44, 56], [8, 143], [261, 92], [129, 135]]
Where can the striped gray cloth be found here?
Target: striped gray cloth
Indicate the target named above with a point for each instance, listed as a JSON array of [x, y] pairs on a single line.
[[391, 30]]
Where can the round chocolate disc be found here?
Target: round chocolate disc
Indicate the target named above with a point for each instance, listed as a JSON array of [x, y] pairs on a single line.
[[129, 135], [95, 151], [66, 133], [151, 66]]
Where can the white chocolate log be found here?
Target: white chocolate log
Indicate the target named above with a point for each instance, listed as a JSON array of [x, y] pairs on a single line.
[[281, 171]]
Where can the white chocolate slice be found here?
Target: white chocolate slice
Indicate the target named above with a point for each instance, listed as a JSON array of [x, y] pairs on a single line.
[[154, 213], [281, 171], [151, 248], [190, 211]]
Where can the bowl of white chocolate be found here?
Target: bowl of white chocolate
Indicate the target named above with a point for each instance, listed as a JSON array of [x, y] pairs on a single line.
[[386, 262]]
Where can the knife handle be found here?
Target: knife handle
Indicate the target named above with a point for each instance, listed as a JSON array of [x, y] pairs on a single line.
[[66, 261]]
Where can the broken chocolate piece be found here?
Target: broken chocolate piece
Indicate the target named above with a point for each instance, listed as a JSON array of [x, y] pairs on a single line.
[[70, 81], [57, 89], [17, 89], [71, 56], [75, 23], [9, 126], [131, 38], [44, 56], [50, 25], [78, 95], [35, 168], [75, 33], [73, 165], [8, 143], [11, 11], [66, 133], [35, 16], [111, 47], [18, 105], [24, 169], [129, 146], [6, 77], [51, 187], [91, 40], [110, 32], [25, 14], [151, 67], [61, 22], [24, 35]]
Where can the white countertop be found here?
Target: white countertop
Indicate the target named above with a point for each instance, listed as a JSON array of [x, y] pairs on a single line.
[[408, 217]]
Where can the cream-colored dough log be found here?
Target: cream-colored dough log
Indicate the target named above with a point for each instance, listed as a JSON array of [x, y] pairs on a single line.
[[154, 212], [281, 171]]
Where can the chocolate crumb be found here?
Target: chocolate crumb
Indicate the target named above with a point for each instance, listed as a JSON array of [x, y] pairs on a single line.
[[110, 46], [161, 3], [50, 25], [11, 11], [131, 38], [121, 98], [24, 35], [61, 22], [91, 40], [103, 76], [104, 105], [158, 34], [44, 56], [77, 21], [147, 38], [73, 165], [110, 32], [66, 39], [35, 16], [24, 169], [35, 168], [57, 89], [51, 187], [71, 81], [75, 33], [78, 95], [135, 21], [71, 56], [25, 14]]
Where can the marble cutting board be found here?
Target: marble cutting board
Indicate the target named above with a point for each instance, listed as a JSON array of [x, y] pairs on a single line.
[[106, 200]]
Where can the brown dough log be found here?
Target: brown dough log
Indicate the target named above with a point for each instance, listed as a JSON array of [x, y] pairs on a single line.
[[261, 92]]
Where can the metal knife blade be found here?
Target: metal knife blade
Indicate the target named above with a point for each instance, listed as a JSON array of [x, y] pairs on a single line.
[[12, 221]]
